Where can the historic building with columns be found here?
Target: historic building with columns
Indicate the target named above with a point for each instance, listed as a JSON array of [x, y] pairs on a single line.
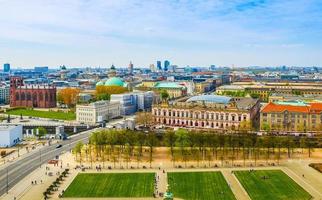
[[208, 112]]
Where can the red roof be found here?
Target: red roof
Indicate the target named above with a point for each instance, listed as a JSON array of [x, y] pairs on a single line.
[[310, 108], [316, 107]]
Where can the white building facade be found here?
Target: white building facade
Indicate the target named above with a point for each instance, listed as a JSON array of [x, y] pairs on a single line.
[[97, 112], [10, 135]]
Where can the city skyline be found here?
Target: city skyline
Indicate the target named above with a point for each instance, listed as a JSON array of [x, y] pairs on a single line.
[[196, 33]]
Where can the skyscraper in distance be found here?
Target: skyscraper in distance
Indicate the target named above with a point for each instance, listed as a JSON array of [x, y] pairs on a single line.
[[6, 67], [166, 65], [159, 67], [131, 68]]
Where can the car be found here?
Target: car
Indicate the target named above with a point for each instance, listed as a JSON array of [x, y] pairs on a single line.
[[59, 146]]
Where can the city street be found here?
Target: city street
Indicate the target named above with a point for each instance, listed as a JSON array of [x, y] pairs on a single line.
[[16, 171]]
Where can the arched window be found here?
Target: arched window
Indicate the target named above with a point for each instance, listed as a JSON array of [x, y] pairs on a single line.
[[41, 97], [28, 96], [23, 96], [34, 97]]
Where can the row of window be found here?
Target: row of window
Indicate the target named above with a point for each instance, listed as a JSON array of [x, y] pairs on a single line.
[[22, 96], [198, 115], [195, 124]]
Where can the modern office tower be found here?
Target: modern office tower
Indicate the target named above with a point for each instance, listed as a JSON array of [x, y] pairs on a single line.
[[166, 65], [6, 67], [131, 68], [159, 67]]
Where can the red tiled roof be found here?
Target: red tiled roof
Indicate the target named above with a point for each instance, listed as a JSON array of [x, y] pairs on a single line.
[[310, 108], [316, 107]]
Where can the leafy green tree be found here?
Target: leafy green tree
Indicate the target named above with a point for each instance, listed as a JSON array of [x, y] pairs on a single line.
[[103, 96], [164, 95], [41, 132], [151, 142], [78, 150], [170, 139]]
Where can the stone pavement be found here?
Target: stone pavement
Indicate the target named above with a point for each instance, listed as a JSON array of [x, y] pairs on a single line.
[[239, 192]]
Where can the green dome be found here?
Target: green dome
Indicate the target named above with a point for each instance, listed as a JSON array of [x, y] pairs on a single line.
[[99, 83], [114, 81]]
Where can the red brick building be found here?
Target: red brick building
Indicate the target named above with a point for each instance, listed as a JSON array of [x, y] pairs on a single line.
[[35, 96]]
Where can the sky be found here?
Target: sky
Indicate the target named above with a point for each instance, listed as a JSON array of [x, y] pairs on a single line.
[[186, 32]]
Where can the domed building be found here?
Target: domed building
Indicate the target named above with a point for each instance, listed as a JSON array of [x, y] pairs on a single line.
[[115, 81], [112, 80]]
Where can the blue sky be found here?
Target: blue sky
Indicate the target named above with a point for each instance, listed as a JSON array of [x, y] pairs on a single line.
[[186, 32]]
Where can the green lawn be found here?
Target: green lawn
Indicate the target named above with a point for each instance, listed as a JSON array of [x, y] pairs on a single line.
[[200, 185], [276, 186], [111, 185], [43, 114]]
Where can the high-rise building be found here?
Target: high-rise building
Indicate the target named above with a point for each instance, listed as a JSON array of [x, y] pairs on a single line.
[[6, 67], [131, 68], [152, 68], [159, 67], [166, 65]]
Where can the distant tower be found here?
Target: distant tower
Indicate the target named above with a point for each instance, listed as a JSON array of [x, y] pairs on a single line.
[[166, 65], [159, 67], [152, 68], [131, 68], [112, 72], [6, 67]]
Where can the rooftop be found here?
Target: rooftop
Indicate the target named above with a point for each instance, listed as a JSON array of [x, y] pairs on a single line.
[[300, 108], [211, 99], [169, 85]]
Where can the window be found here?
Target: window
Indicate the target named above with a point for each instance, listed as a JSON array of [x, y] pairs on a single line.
[[28, 96]]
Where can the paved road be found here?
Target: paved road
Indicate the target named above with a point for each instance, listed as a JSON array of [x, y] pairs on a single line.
[[13, 173]]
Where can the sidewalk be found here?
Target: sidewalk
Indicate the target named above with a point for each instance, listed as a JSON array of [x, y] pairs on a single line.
[[22, 154]]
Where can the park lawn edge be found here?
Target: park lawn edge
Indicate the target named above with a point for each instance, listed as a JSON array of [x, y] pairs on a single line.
[[42, 114], [270, 170], [111, 196]]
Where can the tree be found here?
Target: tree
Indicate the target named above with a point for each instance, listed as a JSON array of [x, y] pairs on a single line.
[[69, 96], [164, 95], [41, 132], [109, 90], [78, 150], [266, 127], [151, 142], [170, 139], [103, 96], [144, 118], [182, 140]]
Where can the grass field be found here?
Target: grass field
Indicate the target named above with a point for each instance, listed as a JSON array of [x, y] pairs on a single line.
[[200, 185], [277, 185], [111, 185], [43, 114]]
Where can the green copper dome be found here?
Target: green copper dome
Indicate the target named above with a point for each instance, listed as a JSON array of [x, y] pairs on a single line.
[[114, 81], [99, 83]]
